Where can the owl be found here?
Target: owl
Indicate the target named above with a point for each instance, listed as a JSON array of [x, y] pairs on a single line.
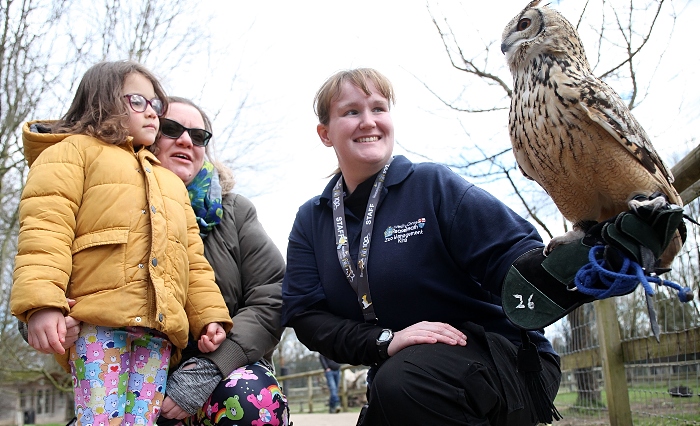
[[571, 133]]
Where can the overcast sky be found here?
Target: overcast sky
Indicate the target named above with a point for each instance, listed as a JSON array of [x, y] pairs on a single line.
[[282, 52]]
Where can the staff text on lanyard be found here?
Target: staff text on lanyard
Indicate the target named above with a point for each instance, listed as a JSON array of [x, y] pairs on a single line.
[[358, 279]]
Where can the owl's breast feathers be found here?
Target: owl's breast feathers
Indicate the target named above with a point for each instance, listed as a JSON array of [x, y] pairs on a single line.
[[573, 135]]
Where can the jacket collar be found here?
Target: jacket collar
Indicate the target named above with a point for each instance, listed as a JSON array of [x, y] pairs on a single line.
[[37, 136], [400, 169], [143, 153]]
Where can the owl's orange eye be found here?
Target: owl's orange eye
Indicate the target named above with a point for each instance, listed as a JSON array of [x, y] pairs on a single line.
[[523, 24]]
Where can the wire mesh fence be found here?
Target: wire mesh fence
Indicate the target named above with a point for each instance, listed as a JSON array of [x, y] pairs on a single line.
[[663, 377]]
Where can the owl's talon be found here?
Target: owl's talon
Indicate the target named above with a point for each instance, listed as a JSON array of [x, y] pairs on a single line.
[[656, 201], [571, 236], [549, 247]]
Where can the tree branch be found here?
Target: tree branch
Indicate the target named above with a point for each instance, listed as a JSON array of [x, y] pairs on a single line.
[[634, 52], [468, 65]]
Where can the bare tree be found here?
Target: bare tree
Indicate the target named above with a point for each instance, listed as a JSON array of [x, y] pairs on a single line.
[[27, 76], [43, 59], [623, 30]]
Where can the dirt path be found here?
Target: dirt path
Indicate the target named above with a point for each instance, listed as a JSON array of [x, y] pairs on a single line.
[[325, 419]]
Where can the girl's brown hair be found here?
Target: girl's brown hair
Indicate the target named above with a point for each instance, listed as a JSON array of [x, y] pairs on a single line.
[[359, 77], [98, 108]]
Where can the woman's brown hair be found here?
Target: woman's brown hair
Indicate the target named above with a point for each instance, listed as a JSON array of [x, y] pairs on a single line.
[[98, 108]]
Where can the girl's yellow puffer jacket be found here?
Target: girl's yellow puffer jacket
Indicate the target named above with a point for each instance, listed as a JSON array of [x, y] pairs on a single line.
[[114, 230]]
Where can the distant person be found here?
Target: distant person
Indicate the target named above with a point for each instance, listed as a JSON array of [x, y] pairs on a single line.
[[332, 371], [105, 227]]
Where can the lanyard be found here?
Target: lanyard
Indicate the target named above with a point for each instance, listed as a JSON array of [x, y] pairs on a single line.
[[359, 282]]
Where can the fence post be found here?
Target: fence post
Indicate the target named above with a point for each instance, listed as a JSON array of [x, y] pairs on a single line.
[[687, 174], [613, 363], [309, 381]]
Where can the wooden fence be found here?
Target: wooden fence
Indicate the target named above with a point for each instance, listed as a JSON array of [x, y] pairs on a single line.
[[313, 397], [644, 381]]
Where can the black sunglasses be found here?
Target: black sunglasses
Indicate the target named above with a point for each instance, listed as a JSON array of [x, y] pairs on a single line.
[[139, 103], [173, 130]]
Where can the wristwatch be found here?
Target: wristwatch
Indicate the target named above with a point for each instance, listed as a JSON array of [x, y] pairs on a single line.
[[383, 342]]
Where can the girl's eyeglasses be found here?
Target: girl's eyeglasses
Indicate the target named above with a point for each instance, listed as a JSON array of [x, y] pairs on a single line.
[[139, 104], [173, 130]]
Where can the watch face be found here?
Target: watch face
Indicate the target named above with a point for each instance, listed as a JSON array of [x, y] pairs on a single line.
[[386, 335]]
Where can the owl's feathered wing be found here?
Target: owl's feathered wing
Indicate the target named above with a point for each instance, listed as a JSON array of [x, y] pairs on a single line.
[[604, 107]]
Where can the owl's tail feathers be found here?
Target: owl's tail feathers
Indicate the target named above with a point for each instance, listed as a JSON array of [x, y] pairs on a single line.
[[674, 247]]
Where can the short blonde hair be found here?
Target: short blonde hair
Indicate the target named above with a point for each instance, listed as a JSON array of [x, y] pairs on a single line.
[[360, 77]]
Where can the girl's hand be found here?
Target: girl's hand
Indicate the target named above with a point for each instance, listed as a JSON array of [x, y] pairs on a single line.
[[426, 332], [212, 337], [46, 331]]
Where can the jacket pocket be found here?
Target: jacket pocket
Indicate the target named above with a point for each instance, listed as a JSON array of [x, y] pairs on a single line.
[[99, 262], [98, 238]]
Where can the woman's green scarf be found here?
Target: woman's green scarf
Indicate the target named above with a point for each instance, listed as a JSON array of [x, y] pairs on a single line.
[[205, 196]]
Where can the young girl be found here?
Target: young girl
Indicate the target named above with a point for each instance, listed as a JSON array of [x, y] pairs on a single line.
[[103, 224]]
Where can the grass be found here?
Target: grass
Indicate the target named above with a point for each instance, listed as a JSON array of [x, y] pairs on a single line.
[[650, 405]]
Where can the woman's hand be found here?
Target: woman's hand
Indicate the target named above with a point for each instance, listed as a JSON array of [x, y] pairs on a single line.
[[426, 332], [214, 334], [170, 410]]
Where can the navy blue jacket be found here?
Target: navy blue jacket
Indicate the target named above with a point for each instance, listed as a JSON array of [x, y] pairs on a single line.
[[440, 250]]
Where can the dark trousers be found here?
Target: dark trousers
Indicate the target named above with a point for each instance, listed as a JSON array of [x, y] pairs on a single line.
[[438, 384]]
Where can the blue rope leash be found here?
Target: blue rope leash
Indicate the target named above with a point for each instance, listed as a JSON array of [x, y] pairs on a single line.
[[594, 280]]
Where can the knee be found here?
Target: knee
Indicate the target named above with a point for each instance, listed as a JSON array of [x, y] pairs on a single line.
[[397, 377], [420, 373], [390, 374], [245, 394]]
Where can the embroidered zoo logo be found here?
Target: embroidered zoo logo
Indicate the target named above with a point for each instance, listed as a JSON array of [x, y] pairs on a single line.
[[401, 233]]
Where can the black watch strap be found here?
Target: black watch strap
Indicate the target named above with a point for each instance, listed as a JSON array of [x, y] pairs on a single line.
[[383, 342]]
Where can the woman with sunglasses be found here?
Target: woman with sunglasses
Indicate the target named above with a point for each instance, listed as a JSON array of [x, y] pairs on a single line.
[[235, 383], [108, 238]]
